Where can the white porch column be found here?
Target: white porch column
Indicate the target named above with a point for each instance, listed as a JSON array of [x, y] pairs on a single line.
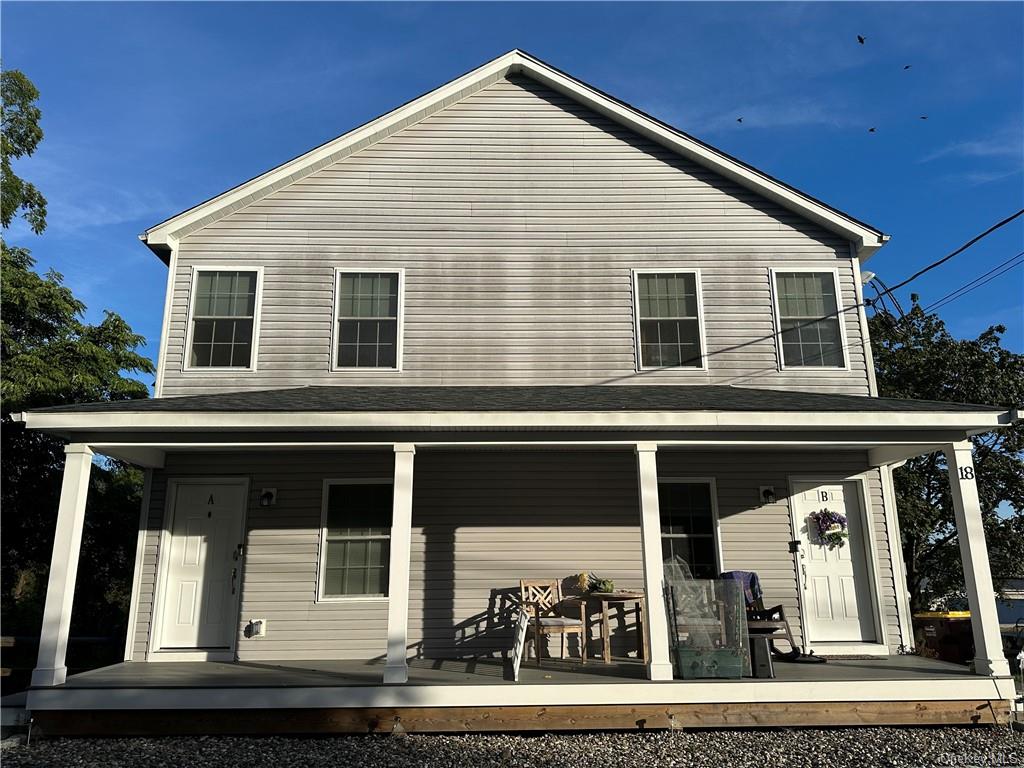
[[396, 670], [988, 646], [659, 664], [60, 589]]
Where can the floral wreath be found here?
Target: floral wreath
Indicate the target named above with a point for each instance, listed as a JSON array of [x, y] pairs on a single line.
[[832, 528]]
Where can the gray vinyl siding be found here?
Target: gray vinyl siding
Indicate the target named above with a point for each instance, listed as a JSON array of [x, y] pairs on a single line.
[[755, 537], [483, 519], [518, 216], [279, 574]]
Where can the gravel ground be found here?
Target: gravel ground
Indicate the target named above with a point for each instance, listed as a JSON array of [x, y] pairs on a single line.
[[831, 748]]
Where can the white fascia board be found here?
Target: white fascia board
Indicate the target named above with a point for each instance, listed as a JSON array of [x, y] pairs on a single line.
[[428, 420], [865, 239]]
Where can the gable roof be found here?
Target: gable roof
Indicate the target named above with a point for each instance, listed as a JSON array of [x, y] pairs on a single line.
[[161, 237]]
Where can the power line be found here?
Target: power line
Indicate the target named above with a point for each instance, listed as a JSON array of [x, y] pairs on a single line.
[[971, 285], [891, 295], [958, 251], [974, 287]]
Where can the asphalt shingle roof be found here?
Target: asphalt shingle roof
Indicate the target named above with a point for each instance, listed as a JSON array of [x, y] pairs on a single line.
[[522, 399]]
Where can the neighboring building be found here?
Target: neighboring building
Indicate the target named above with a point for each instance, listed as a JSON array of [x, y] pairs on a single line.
[[1011, 604], [513, 329]]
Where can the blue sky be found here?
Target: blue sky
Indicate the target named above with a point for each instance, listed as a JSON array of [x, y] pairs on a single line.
[[149, 108]]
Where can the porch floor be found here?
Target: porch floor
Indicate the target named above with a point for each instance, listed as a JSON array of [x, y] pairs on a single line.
[[358, 673]]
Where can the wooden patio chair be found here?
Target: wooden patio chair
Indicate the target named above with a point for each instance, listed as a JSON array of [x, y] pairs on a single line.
[[765, 621], [543, 602]]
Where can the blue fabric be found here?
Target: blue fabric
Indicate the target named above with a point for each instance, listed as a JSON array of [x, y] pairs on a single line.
[[751, 584]]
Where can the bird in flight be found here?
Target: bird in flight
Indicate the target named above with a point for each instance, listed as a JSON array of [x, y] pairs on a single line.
[[861, 39], [871, 130], [739, 119], [923, 117], [907, 66]]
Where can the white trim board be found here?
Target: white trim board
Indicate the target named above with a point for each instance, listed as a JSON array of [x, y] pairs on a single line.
[[962, 688], [840, 320], [321, 551], [701, 336], [399, 320], [186, 366], [866, 239], [321, 420], [716, 525]]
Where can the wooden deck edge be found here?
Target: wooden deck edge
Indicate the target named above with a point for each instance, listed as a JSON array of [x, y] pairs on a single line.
[[520, 718]]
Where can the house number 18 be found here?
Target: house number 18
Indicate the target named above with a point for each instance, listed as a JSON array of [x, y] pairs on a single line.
[[966, 473]]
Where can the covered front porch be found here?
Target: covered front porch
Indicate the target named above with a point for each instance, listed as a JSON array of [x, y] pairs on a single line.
[[474, 505]]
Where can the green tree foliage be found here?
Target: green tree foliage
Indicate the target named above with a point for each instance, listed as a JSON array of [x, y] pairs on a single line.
[[51, 356], [916, 357], [20, 134]]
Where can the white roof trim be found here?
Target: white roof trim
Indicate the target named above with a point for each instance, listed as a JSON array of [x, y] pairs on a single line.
[[534, 420], [866, 239]]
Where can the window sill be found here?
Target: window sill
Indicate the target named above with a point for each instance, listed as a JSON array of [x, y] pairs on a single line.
[[218, 369], [816, 368], [366, 368], [353, 599], [672, 368]]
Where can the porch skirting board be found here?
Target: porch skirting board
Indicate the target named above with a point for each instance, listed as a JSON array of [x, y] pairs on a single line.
[[572, 695], [462, 719]]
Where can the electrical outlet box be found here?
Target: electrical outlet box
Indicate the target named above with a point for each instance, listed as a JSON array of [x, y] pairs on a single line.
[[256, 628]]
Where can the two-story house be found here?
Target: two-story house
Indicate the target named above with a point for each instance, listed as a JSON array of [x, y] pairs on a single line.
[[514, 329]]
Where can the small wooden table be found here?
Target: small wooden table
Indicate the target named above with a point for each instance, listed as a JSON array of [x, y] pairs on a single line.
[[622, 597]]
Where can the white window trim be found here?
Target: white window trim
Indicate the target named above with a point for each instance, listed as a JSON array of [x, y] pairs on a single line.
[[840, 317], [637, 350], [321, 570], [715, 525], [400, 340], [186, 366]]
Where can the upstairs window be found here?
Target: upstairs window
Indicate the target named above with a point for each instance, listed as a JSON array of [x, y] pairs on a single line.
[[368, 331], [356, 538], [669, 320], [223, 319], [809, 320]]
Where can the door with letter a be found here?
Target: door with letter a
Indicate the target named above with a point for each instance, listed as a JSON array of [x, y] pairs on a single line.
[[836, 582], [202, 564]]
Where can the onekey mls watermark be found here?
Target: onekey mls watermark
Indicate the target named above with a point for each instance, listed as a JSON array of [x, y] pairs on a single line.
[[987, 759]]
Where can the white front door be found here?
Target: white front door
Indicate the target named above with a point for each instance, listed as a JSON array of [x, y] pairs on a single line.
[[837, 588], [202, 565]]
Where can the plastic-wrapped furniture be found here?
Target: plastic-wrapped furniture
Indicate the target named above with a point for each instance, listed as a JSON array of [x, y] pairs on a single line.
[[707, 625]]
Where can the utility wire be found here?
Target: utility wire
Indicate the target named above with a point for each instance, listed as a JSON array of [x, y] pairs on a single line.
[[988, 280], [958, 251], [891, 295], [969, 285]]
